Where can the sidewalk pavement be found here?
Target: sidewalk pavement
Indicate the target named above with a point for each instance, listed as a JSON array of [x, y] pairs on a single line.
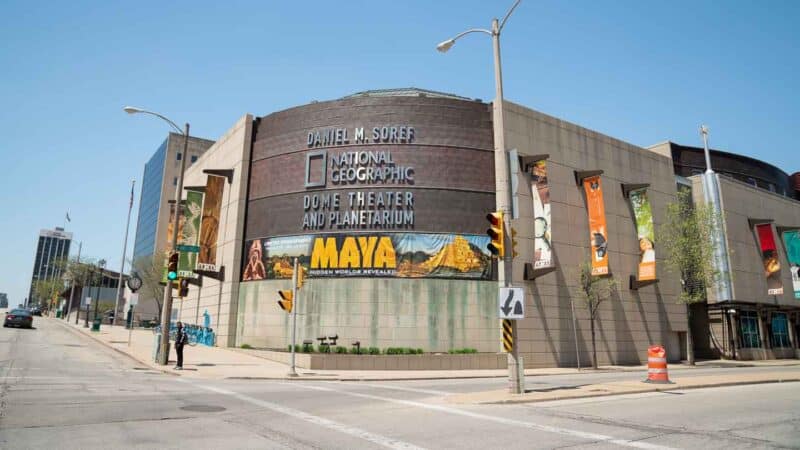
[[229, 363]]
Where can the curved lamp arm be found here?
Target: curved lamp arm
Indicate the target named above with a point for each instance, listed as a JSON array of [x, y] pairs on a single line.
[[508, 14], [134, 110]]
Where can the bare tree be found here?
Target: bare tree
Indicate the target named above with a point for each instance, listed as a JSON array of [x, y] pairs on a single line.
[[151, 270], [595, 290], [687, 238]]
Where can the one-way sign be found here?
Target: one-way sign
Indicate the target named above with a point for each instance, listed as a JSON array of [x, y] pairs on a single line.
[[511, 303]]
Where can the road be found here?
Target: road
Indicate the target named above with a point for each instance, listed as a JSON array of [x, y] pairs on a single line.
[[62, 390]]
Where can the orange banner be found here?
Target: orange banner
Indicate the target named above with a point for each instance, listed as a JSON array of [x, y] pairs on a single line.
[[598, 234]]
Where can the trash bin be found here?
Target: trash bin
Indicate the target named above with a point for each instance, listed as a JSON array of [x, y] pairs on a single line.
[[58, 314], [96, 324]]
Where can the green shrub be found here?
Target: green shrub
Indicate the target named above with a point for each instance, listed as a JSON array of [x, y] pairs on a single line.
[[358, 351], [419, 351], [246, 346], [374, 351], [324, 348], [458, 351], [341, 350]]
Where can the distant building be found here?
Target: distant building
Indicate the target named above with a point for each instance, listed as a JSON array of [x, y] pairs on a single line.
[[53, 246], [158, 187], [3, 300]]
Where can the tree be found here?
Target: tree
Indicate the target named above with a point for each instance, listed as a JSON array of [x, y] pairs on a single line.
[[80, 273], [48, 290], [594, 291], [151, 270], [687, 237]]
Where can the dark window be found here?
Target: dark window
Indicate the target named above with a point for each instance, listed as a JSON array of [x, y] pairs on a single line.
[[194, 158], [179, 156], [748, 321], [780, 330], [175, 181]]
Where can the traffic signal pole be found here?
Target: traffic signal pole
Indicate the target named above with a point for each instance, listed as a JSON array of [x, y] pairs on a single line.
[[516, 373], [292, 371]]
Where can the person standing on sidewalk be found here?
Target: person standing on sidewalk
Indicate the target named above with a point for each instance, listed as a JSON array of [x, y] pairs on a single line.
[[180, 341]]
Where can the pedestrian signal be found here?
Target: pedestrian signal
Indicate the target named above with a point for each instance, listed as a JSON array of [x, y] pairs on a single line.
[[287, 299], [183, 289], [496, 233]]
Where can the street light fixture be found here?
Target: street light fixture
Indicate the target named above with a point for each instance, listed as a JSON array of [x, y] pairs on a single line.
[[502, 182], [166, 308]]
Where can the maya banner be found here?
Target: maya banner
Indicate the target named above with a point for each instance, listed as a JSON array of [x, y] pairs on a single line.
[[400, 255], [543, 250], [791, 239], [190, 234], [207, 260], [598, 234], [643, 214], [769, 255]]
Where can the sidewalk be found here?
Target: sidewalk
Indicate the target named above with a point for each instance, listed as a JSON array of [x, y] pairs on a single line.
[[228, 363]]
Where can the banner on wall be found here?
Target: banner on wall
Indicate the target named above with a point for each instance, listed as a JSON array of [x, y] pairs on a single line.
[[769, 255], [540, 190], [791, 239], [643, 213], [598, 233], [394, 255], [189, 234], [209, 226]]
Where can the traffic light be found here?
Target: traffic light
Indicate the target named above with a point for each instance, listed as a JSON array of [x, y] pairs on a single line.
[[300, 276], [172, 266], [496, 233], [183, 288], [288, 298], [514, 253]]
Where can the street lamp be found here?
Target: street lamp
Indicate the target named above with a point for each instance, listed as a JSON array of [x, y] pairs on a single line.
[[100, 265], [502, 182], [166, 308]]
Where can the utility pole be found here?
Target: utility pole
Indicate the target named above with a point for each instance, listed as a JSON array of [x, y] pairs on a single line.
[[292, 369], [124, 251]]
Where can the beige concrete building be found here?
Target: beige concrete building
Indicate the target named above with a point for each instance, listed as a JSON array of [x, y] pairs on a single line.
[[217, 293]]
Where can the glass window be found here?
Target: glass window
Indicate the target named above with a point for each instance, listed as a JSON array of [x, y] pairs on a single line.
[[175, 181], [179, 156], [780, 330], [194, 158], [748, 322]]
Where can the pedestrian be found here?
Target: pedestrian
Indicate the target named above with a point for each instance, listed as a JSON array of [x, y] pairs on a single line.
[[180, 341]]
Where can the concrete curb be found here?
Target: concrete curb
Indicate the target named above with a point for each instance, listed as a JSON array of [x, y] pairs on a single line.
[[643, 390], [108, 345]]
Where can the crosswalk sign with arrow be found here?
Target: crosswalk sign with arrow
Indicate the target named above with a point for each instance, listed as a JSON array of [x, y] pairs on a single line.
[[511, 303]]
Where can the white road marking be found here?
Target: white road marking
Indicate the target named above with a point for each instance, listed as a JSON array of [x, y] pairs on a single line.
[[501, 420], [399, 388], [327, 423]]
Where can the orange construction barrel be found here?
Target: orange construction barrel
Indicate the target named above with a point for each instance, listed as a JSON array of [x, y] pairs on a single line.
[[657, 365]]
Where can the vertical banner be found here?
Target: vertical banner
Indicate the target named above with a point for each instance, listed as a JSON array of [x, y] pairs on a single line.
[[543, 251], [598, 234], [209, 226], [189, 234], [791, 239], [769, 255], [643, 214]]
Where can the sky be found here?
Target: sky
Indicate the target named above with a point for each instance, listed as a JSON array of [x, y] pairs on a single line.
[[640, 71]]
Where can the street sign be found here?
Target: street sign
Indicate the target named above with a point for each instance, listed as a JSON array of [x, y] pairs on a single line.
[[511, 303], [133, 299], [88, 300]]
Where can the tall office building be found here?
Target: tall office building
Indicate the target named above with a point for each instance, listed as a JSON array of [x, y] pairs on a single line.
[[158, 187], [53, 246]]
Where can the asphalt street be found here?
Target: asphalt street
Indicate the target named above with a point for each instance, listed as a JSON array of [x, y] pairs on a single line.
[[62, 390]]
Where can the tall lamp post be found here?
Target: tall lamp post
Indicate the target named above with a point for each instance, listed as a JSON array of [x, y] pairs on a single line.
[[101, 265], [89, 291], [502, 183], [124, 251], [166, 308]]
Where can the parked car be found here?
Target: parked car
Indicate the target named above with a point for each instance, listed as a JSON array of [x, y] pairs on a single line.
[[18, 318], [36, 311]]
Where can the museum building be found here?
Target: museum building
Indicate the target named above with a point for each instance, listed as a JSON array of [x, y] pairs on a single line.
[[382, 197]]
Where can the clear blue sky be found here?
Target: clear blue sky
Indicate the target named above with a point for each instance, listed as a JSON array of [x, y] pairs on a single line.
[[643, 72]]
